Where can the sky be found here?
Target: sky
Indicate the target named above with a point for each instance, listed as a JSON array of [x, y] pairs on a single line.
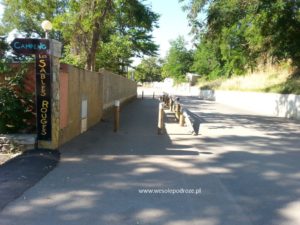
[[172, 23]]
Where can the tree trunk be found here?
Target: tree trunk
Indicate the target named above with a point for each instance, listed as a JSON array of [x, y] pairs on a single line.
[[96, 35]]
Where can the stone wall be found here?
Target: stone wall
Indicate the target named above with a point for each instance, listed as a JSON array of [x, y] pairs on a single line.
[[11, 143]]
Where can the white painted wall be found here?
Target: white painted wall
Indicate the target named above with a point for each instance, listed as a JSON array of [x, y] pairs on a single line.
[[267, 104], [166, 87]]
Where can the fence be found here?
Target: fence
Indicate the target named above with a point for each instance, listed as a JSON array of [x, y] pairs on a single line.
[[86, 96], [83, 98]]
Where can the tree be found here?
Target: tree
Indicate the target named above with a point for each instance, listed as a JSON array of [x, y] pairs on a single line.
[[85, 26], [149, 70], [2, 30], [3, 49], [93, 26], [26, 16], [131, 37], [246, 32], [178, 60], [16, 105], [115, 55], [207, 60]]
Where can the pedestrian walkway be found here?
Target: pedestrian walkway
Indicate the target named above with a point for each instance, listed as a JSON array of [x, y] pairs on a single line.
[[226, 175], [101, 175], [23, 171]]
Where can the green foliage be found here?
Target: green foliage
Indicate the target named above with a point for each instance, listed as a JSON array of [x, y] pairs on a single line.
[[16, 105], [136, 20], [149, 70], [72, 59], [207, 60], [2, 29], [3, 60], [106, 34], [26, 16], [90, 30], [236, 35], [115, 55], [178, 60]]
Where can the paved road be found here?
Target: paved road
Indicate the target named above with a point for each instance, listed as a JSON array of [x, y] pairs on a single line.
[[259, 159], [24, 171], [246, 166]]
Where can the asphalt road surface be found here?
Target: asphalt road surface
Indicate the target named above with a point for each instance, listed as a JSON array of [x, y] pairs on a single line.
[[240, 169]]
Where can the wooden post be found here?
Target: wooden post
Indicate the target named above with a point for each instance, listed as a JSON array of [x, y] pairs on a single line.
[[167, 101], [160, 129], [117, 116], [181, 118], [178, 108], [170, 103], [173, 106]]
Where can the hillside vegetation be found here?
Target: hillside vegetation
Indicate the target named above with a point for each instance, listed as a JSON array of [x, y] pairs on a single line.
[[230, 38], [273, 79]]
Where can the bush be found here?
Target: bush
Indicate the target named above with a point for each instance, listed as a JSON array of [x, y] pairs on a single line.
[[16, 105]]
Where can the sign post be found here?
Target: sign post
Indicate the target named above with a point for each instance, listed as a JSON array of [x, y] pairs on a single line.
[[30, 46], [44, 56], [43, 96]]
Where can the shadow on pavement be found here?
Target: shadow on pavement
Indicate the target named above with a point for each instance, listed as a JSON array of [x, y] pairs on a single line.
[[137, 135], [245, 179], [22, 172], [260, 173]]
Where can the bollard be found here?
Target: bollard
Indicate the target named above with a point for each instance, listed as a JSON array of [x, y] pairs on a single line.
[[117, 116], [170, 104], [142, 94], [174, 107], [160, 129], [153, 95], [167, 101], [181, 118], [178, 108]]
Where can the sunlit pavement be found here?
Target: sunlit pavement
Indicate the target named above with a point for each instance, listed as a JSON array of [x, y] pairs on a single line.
[[246, 167]]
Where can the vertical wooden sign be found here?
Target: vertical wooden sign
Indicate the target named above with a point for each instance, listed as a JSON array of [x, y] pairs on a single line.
[[41, 49], [43, 96]]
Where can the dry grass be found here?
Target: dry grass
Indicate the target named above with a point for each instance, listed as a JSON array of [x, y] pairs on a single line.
[[275, 79]]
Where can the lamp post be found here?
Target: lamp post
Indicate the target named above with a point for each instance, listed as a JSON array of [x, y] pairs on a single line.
[[47, 26]]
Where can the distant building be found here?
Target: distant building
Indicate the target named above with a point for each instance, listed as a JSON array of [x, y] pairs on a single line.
[[169, 82], [192, 78]]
